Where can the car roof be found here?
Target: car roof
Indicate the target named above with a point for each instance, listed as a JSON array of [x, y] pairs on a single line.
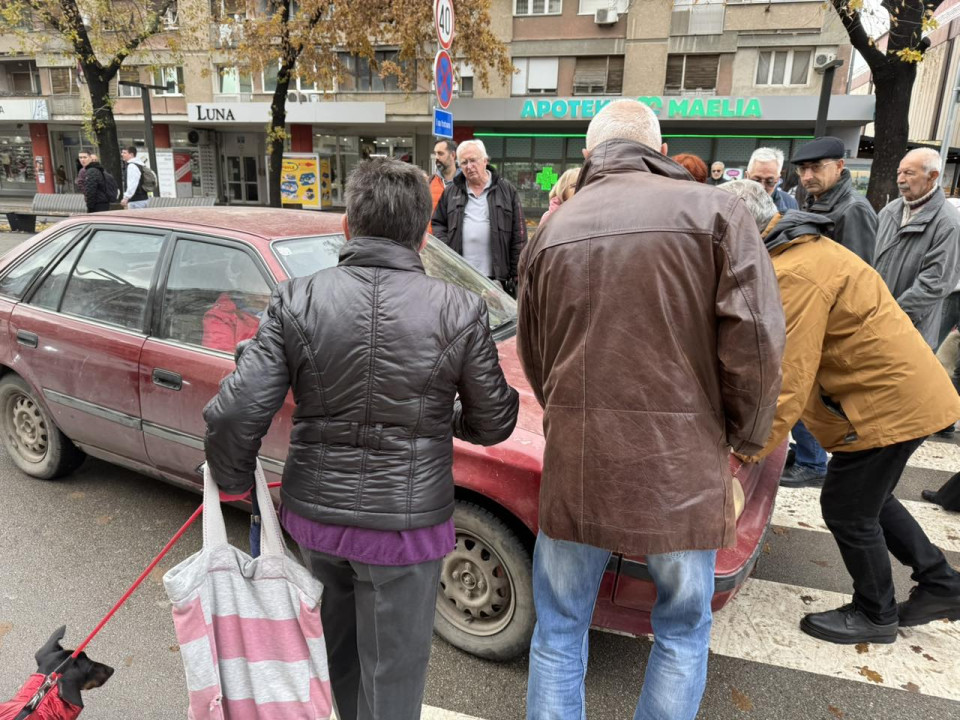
[[266, 223]]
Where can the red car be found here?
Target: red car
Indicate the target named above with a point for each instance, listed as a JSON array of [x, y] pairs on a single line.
[[116, 329]]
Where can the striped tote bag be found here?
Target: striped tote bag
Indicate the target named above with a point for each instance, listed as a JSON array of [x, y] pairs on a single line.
[[249, 628]]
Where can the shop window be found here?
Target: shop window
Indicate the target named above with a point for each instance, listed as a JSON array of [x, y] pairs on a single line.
[[535, 76], [537, 7], [344, 152], [598, 75], [63, 81], [783, 67], [111, 282], [16, 163], [127, 74], [359, 74], [691, 74], [172, 78], [231, 81], [214, 297]]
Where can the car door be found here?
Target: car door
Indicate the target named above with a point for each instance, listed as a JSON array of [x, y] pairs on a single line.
[[80, 331], [213, 294]]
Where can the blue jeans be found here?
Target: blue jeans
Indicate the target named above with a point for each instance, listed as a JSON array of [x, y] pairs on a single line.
[[809, 452], [566, 578]]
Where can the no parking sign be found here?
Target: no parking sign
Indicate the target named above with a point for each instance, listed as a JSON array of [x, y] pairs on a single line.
[[443, 78]]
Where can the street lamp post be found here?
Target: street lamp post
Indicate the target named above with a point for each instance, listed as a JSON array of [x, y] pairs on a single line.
[[147, 115], [826, 86]]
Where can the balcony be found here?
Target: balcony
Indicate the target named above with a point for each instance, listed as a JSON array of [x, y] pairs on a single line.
[[233, 97], [66, 105], [706, 19]]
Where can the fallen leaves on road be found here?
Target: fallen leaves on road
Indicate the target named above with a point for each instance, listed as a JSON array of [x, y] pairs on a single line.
[[871, 675], [77, 495], [740, 700], [104, 520], [862, 648], [911, 687], [5, 627], [807, 599], [174, 648], [128, 660], [805, 525], [917, 649], [821, 563], [835, 711], [777, 530]]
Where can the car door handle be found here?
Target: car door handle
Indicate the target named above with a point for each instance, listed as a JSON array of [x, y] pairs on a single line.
[[167, 379], [27, 338]]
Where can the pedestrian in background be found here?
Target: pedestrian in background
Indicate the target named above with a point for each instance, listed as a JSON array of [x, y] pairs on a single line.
[[562, 191], [693, 165], [83, 159], [386, 365], [716, 173], [830, 193], [445, 158], [480, 217], [765, 167], [60, 178], [134, 196], [638, 431], [99, 187], [871, 390]]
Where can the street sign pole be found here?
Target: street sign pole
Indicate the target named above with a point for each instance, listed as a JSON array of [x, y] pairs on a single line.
[[147, 116], [443, 70]]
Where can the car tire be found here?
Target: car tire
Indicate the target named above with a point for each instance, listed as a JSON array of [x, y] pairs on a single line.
[[29, 435], [485, 598]]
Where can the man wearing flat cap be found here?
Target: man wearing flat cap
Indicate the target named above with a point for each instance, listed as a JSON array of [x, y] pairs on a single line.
[[830, 192]]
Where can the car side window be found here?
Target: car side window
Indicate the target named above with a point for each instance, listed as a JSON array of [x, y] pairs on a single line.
[[48, 294], [111, 281], [215, 296], [18, 279]]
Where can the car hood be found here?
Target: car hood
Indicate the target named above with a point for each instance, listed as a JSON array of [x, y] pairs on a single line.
[[531, 414]]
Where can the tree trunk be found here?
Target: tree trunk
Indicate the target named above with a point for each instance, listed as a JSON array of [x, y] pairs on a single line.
[[893, 87], [104, 125], [278, 121]]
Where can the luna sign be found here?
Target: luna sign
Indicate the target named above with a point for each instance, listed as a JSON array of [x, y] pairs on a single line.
[[665, 107]]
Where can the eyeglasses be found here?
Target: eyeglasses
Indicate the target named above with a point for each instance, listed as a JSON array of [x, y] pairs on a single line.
[[466, 162], [815, 168], [768, 182]]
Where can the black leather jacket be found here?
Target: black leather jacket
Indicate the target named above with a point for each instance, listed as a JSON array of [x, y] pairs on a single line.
[[376, 353], [854, 219]]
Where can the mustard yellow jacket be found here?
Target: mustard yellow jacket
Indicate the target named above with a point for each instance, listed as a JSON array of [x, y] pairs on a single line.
[[855, 368]]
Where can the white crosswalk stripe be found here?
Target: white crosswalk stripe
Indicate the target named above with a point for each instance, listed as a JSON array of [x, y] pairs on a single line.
[[936, 456]]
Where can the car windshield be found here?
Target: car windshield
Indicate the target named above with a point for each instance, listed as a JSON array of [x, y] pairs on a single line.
[[304, 256]]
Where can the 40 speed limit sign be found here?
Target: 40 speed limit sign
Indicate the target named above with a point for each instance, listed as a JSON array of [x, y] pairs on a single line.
[[443, 17]]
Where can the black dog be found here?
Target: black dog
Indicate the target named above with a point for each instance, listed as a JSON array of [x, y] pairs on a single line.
[[63, 702]]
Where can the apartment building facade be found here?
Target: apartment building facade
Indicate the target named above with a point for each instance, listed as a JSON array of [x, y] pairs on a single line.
[[724, 77]]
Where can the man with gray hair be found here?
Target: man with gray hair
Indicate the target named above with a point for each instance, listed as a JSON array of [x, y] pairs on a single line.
[[870, 390], [918, 243], [765, 167], [480, 217], [652, 339], [377, 354]]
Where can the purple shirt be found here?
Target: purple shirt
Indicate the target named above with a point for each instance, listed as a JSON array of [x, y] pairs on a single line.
[[374, 547]]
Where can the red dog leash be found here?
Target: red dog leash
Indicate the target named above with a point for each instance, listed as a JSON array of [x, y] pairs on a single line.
[[52, 678]]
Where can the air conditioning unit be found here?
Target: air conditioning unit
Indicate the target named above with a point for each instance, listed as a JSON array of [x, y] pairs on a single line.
[[605, 16], [293, 96], [823, 59], [314, 97]]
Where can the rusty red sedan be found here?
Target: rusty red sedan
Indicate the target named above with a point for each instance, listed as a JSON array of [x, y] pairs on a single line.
[[116, 329]]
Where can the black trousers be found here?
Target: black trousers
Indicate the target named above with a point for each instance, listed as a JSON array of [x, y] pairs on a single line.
[[378, 627], [867, 520]]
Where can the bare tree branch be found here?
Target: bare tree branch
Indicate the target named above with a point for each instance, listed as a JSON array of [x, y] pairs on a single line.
[[859, 38]]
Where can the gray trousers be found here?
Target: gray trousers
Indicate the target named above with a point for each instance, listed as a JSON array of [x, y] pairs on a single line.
[[378, 626]]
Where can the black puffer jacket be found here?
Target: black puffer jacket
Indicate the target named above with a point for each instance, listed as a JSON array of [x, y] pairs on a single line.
[[508, 229], [376, 352]]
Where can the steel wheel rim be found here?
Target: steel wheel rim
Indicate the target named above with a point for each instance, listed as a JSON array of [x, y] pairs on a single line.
[[476, 592], [26, 430]]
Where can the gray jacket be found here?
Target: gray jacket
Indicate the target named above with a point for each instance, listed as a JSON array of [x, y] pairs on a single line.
[[920, 262], [854, 220]]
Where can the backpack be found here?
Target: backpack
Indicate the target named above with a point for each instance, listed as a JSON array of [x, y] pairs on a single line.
[[110, 182], [148, 179]]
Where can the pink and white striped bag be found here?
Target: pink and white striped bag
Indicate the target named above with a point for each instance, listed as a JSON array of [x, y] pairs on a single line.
[[249, 628]]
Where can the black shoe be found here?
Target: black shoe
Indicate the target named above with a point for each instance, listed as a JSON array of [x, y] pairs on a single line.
[[847, 626], [947, 433], [791, 458], [930, 496], [802, 476], [923, 607]]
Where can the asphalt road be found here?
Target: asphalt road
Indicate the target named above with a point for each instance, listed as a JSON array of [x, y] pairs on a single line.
[[68, 550]]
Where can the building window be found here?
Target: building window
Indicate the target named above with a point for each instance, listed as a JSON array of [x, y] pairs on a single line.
[[535, 76], [269, 80], [590, 7], [691, 74], [465, 76], [128, 74], [783, 67], [228, 9], [359, 74], [537, 7], [231, 82], [172, 78], [19, 78], [598, 75], [63, 81]]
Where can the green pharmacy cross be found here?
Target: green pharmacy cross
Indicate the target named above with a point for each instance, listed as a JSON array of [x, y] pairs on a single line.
[[547, 178]]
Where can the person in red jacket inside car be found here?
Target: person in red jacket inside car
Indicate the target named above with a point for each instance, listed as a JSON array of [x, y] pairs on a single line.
[[231, 320]]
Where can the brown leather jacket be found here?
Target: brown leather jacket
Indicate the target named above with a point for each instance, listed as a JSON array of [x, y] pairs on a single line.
[[650, 329]]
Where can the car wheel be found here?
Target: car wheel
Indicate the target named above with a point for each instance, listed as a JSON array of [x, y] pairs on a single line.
[[31, 439], [485, 599]]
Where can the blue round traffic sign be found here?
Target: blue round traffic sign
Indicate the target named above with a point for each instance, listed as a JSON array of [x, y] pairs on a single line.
[[443, 78]]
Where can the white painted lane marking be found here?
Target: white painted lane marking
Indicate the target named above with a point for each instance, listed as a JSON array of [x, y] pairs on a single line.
[[936, 456], [800, 508], [432, 713], [762, 625]]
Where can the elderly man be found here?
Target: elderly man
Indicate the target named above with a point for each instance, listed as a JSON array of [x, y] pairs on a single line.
[[716, 174], [376, 354], [918, 243], [479, 216], [830, 193], [870, 390], [765, 167], [639, 430]]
